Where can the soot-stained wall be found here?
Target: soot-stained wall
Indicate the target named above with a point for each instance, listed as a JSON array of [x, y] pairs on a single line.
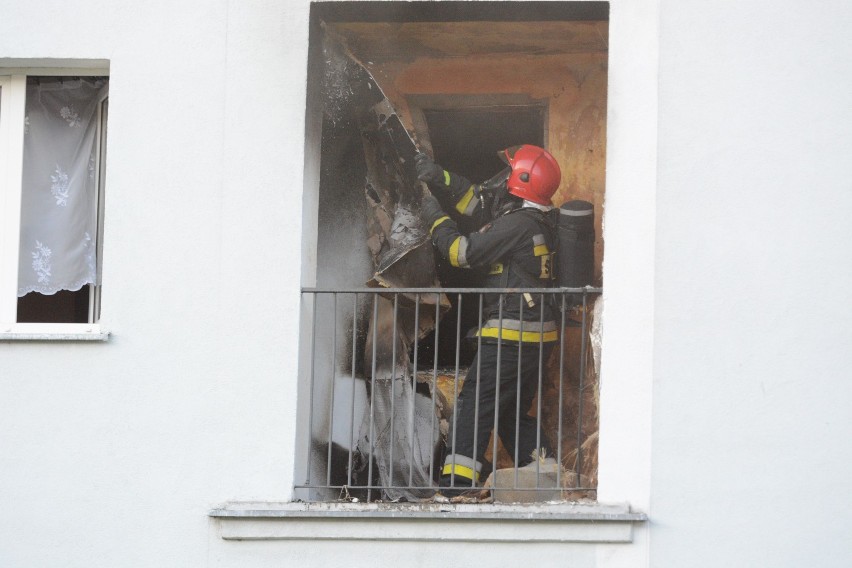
[[342, 239]]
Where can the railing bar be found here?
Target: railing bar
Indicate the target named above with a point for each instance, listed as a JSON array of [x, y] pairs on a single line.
[[476, 401], [365, 290], [497, 387], [331, 402], [540, 392], [415, 487], [413, 387], [518, 388], [581, 381], [313, 382], [352, 407], [434, 382], [456, 388], [332, 395], [391, 439], [561, 397], [372, 393]]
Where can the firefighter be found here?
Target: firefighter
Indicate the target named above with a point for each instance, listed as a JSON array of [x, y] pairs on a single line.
[[514, 247]]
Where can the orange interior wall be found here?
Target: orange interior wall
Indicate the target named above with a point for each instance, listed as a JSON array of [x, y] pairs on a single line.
[[574, 86]]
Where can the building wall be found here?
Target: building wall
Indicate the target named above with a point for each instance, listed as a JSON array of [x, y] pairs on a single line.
[[752, 326], [112, 454]]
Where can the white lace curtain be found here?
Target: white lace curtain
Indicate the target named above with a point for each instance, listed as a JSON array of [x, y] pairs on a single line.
[[59, 202]]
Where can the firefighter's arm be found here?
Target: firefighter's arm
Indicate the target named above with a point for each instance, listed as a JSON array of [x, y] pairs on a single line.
[[477, 249], [453, 189]]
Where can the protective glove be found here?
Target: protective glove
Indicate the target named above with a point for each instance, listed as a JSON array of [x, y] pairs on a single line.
[[430, 210], [428, 170]]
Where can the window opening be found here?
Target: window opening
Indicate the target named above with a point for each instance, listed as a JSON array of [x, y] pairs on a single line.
[[466, 139], [374, 412], [62, 200]]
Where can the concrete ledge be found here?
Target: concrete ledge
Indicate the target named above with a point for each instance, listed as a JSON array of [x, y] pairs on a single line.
[[554, 522], [54, 66], [92, 336]]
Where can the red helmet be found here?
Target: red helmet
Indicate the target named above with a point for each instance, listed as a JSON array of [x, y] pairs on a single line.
[[535, 174]]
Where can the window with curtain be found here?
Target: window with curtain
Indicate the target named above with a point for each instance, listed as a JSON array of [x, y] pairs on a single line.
[[62, 133]]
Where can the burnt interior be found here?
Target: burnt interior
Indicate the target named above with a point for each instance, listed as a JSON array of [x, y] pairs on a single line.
[[467, 79]]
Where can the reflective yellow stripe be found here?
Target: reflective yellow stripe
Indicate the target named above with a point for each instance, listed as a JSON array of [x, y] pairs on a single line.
[[460, 470], [540, 250], [446, 177], [515, 335], [496, 268], [454, 252], [438, 222], [461, 206]]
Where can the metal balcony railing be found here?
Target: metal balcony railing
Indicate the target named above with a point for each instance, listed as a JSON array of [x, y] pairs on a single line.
[[385, 370]]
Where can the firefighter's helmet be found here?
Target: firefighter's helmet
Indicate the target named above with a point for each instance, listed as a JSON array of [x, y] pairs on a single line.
[[535, 174]]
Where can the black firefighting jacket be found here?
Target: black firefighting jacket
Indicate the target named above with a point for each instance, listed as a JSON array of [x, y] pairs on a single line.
[[514, 249]]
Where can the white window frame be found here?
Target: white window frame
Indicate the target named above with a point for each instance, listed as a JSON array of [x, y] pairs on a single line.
[[13, 94]]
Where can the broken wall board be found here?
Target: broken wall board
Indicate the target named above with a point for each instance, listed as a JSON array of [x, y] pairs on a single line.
[[398, 433]]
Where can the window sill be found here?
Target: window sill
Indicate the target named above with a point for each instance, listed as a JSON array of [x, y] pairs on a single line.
[[546, 522], [53, 332]]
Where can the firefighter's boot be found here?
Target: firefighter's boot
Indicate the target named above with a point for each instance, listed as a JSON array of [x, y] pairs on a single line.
[[457, 476]]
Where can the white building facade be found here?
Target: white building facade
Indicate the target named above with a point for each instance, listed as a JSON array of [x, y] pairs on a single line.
[[138, 440]]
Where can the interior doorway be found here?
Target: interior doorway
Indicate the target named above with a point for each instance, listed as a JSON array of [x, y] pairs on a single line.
[[465, 140]]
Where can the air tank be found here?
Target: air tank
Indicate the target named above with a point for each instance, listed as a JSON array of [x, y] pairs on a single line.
[[575, 257]]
